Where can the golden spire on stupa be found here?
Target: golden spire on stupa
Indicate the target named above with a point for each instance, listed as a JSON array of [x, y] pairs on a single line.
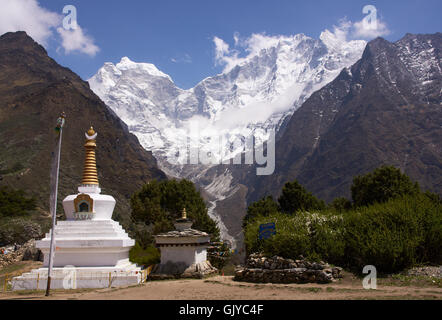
[[90, 176], [184, 214]]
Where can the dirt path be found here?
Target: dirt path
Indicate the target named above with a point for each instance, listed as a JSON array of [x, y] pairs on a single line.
[[224, 288]]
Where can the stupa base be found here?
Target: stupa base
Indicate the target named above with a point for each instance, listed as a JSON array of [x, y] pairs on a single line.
[[176, 270], [80, 278]]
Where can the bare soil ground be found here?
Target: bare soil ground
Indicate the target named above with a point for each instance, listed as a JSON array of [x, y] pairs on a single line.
[[224, 288]]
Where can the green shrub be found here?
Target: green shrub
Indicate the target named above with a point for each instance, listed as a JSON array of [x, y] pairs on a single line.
[[433, 197], [15, 203], [327, 236], [383, 184], [313, 235], [430, 217], [391, 236], [144, 256], [18, 230], [391, 224], [291, 238], [394, 235]]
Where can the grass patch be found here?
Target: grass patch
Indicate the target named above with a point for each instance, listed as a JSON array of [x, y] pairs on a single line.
[[11, 268], [30, 292]]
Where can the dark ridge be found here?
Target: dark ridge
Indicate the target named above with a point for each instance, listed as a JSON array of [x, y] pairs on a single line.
[[387, 112], [34, 90]]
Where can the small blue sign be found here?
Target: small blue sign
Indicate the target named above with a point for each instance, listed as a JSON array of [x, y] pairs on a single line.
[[267, 230]]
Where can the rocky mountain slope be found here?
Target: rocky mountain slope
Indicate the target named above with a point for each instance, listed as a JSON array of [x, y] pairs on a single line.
[[385, 109], [34, 90]]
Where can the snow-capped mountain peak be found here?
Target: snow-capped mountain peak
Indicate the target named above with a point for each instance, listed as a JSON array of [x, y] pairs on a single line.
[[142, 67], [254, 96]]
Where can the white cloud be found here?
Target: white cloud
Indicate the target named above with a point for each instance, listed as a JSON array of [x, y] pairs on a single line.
[[27, 15], [245, 49], [221, 48], [40, 24], [370, 31], [257, 111], [248, 47], [77, 40], [259, 41], [185, 58], [337, 39], [341, 31], [347, 30], [225, 56], [236, 38]]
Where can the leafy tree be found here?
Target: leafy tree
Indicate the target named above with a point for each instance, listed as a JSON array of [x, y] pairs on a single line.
[[295, 197], [158, 204], [15, 203], [340, 204], [382, 184], [260, 208], [437, 199], [142, 233], [163, 225]]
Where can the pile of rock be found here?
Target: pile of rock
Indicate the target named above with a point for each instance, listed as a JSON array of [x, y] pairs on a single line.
[[261, 269], [16, 253], [428, 271]]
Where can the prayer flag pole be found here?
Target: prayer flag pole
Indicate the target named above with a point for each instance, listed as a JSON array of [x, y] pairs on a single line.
[[53, 197]]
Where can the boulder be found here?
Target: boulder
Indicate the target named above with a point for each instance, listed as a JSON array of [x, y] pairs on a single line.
[[32, 254]]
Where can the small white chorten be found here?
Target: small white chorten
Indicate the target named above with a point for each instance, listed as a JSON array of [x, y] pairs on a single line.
[[183, 252], [92, 250]]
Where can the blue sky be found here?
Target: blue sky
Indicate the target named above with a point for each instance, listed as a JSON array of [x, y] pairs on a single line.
[[177, 35]]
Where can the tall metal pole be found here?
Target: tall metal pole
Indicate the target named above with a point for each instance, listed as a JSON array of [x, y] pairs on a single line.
[[60, 123]]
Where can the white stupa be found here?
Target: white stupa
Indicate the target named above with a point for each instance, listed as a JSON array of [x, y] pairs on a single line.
[[92, 250]]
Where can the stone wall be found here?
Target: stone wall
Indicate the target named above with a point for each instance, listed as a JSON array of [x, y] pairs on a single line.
[[279, 270]]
